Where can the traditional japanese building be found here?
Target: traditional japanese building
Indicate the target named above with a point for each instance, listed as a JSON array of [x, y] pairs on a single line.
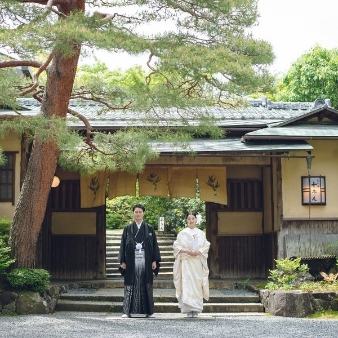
[[270, 188]]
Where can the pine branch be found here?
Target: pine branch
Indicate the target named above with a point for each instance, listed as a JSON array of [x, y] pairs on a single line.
[[49, 8], [86, 123], [20, 63], [37, 74]]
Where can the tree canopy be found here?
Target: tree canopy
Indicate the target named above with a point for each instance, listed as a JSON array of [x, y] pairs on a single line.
[[205, 56], [314, 75], [202, 54], [206, 50]]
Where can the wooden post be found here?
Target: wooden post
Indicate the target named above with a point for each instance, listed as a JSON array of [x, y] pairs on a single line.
[[281, 250], [211, 234], [100, 263]]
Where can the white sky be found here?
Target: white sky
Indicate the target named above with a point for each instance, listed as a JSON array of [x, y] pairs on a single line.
[[293, 27]]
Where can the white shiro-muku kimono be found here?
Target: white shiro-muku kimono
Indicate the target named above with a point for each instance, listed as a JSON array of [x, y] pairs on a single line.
[[191, 272]]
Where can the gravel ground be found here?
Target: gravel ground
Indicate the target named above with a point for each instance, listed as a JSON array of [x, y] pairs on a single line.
[[81, 325]]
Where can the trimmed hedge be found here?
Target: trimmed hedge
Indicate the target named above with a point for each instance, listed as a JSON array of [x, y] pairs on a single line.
[[29, 279]]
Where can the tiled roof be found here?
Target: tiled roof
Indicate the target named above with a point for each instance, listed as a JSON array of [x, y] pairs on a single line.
[[258, 114]]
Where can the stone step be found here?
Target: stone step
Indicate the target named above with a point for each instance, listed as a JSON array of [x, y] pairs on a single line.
[[158, 283], [160, 295], [161, 275], [117, 265], [112, 267], [120, 231], [163, 250], [164, 258], [162, 269], [165, 242], [114, 263], [99, 306], [117, 282], [165, 272], [158, 235], [160, 239], [107, 296], [117, 240], [165, 255]]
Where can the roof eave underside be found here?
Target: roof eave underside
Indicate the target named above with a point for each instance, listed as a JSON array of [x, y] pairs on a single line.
[[294, 133], [229, 147], [288, 138], [330, 112]]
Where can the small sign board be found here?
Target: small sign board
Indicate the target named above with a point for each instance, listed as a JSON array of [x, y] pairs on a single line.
[[161, 224]]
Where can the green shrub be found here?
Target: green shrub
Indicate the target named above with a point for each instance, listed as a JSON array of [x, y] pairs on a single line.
[[5, 259], [29, 279], [114, 221], [173, 210], [287, 275], [5, 227]]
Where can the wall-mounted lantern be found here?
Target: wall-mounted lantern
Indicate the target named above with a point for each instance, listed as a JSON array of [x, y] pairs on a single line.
[[313, 190], [56, 182]]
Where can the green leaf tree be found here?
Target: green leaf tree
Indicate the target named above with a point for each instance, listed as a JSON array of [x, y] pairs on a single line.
[[314, 75], [173, 210], [205, 56]]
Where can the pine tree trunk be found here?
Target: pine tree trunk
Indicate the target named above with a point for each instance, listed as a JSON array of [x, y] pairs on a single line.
[[30, 210]]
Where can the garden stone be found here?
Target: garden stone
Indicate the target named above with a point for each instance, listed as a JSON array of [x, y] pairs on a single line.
[[293, 303], [7, 297], [7, 312], [52, 305], [53, 291], [326, 300], [9, 308], [30, 302]]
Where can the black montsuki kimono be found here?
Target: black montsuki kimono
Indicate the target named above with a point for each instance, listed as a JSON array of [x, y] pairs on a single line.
[[138, 287]]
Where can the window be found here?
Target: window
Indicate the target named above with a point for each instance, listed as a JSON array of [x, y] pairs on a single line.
[[7, 179], [245, 195]]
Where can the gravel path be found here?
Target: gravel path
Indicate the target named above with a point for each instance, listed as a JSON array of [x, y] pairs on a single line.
[[97, 325]]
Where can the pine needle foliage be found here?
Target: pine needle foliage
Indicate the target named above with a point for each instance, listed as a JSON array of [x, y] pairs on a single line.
[[205, 56]]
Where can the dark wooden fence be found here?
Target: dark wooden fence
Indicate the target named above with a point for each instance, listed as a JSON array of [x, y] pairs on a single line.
[[72, 256], [242, 256]]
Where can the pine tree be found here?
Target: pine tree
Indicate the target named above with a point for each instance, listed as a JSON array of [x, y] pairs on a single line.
[[205, 56]]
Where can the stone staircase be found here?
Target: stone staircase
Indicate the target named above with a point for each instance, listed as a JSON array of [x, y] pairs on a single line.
[[113, 240], [110, 299], [226, 296]]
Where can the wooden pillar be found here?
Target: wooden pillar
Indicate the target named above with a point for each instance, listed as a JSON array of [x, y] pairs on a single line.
[[100, 263], [212, 233], [279, 211]]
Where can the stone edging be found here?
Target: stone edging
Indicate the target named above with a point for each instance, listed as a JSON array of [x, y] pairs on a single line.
[[293, 303], [296, 303], [30, 302]]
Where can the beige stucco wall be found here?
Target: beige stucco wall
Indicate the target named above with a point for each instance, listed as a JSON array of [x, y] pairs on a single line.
[[239, 223], [325, 163], [74, 223], [244, 172], [12, 143]]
